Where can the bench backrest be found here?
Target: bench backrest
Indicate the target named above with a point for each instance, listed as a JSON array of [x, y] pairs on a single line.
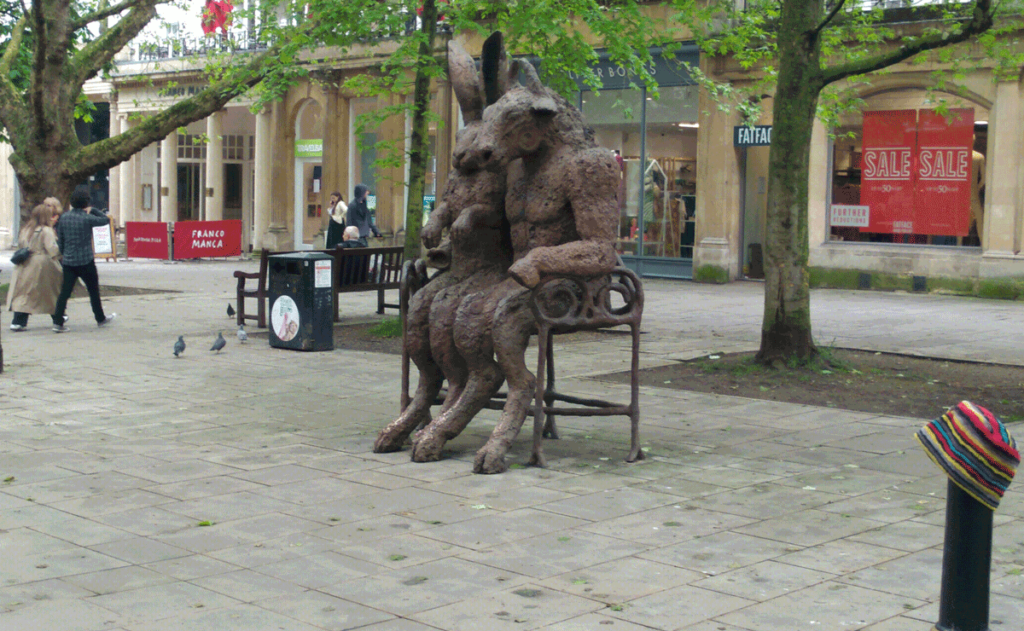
[[352, 267]]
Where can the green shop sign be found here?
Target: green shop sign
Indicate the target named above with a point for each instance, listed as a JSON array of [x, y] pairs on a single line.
[[307, 148]]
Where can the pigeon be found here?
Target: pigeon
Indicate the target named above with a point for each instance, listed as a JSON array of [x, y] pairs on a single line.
[[179, 346], [231, 311], [218, 343], [243, 337]]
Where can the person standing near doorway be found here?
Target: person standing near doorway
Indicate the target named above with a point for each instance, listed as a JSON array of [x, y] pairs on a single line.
[[336, 221], [359, 213], [74, 234]]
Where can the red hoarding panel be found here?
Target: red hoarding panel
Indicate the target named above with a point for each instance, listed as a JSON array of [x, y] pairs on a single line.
[[945, 144], [887, 173], [145, 239], [197, 239]]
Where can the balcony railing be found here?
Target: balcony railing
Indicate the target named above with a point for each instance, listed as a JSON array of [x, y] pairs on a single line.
[[195, 45]]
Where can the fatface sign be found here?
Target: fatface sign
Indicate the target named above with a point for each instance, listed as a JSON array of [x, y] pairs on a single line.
[[916, 176], [146, 239], [756, 136], [197, 239]]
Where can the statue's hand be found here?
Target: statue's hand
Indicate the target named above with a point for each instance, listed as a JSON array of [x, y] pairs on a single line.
[[431, 234], [525, 273]]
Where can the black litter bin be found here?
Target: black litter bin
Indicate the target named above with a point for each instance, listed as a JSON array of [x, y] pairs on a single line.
[[301, 301]]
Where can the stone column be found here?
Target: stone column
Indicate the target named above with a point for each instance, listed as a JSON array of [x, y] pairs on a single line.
[[719, 212], [169, 178], [114, 180], [1002, 229], [215, 167], [818, 186], [264, 178], [126, 186]]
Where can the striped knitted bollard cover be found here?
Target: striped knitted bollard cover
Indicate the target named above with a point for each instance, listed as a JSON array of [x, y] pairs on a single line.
[[974, 449]]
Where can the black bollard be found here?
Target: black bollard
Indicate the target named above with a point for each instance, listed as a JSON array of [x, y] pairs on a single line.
[[966, 562]]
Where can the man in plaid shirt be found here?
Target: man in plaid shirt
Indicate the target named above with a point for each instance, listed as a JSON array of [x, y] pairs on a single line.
[[74, 234]]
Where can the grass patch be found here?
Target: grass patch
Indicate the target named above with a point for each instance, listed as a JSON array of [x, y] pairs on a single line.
[[711, 274], [991, 288], [3, 291], [391, 327]]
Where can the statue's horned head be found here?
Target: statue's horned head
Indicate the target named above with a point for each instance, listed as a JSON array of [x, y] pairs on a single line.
[[518, 123]]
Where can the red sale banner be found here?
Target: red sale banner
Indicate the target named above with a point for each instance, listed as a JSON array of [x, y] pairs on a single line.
[[887, 173], [196, 239], [943, 200], [146, 239]]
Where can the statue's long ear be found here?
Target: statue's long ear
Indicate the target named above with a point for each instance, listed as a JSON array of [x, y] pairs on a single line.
[[466, 82], [528, 77], [494, 68]]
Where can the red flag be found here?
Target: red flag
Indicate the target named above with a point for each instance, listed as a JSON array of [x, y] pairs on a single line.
[[217, 14]]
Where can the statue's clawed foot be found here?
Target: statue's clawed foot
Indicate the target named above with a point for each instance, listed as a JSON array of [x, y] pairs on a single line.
[[490, 460], [388, 442], [427, 446]]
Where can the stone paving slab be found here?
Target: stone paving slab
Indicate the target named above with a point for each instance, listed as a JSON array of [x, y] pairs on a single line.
[[239, 490]]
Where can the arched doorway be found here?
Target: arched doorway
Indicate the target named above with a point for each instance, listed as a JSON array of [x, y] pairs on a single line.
[[309, 196]]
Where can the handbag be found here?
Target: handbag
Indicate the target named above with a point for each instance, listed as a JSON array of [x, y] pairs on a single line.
[[21, 255]]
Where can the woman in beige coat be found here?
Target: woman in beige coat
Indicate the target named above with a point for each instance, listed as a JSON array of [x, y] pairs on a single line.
[[36, 282]]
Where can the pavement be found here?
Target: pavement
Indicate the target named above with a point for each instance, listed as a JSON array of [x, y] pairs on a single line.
[[139, 492]]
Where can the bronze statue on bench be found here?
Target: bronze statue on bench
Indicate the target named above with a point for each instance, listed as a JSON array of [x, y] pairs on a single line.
[[560, 204]]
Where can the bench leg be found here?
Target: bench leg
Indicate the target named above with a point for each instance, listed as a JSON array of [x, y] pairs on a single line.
[[635, 452], [539, 420], [550, 429], [380, 300], [261, 311]]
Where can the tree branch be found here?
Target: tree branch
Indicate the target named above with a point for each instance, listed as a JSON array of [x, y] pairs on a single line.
[[110, 152], [87, 62], [99, 14], [981, 21], [13, 46], [828, 18]]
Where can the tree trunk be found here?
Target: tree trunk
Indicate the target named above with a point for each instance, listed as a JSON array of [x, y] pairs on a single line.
[[418, 148], [786, 328]]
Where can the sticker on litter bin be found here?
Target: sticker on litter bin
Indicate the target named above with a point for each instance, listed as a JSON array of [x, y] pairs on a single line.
[[284, 317], [322, 274]]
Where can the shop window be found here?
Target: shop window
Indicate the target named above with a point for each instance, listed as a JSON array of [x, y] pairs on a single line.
[[191, 147], [910, 176], [614, 116], [670, 185], [234, 147]]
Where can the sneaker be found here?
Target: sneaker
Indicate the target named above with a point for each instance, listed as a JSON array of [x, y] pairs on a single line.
[[60, 328], [107, 320], [66, 318], [17, 327]]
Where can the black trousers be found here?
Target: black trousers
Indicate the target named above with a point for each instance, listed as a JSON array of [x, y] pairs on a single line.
[[20, 318], [91, 279]]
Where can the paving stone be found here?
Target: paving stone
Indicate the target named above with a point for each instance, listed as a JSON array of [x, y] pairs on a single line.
[[234, 618], [621, 580], [763, 581], [118, 580], [916, 575], [555, 553], [526, 607], [719, 552], [678, 607], [496, 528], [319, 570], [909, 535], [842, 556], [808, 528], [139, 550], [824, 606], [325, 611], [160, 602], [406, 591], [667, 525]]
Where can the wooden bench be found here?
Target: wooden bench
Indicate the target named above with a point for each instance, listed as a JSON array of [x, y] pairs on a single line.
[[352, 272]]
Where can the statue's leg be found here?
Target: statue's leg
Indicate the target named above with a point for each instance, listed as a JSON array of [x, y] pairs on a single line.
[[472, 337], [417, 345], [513, 325], [442, 344]]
